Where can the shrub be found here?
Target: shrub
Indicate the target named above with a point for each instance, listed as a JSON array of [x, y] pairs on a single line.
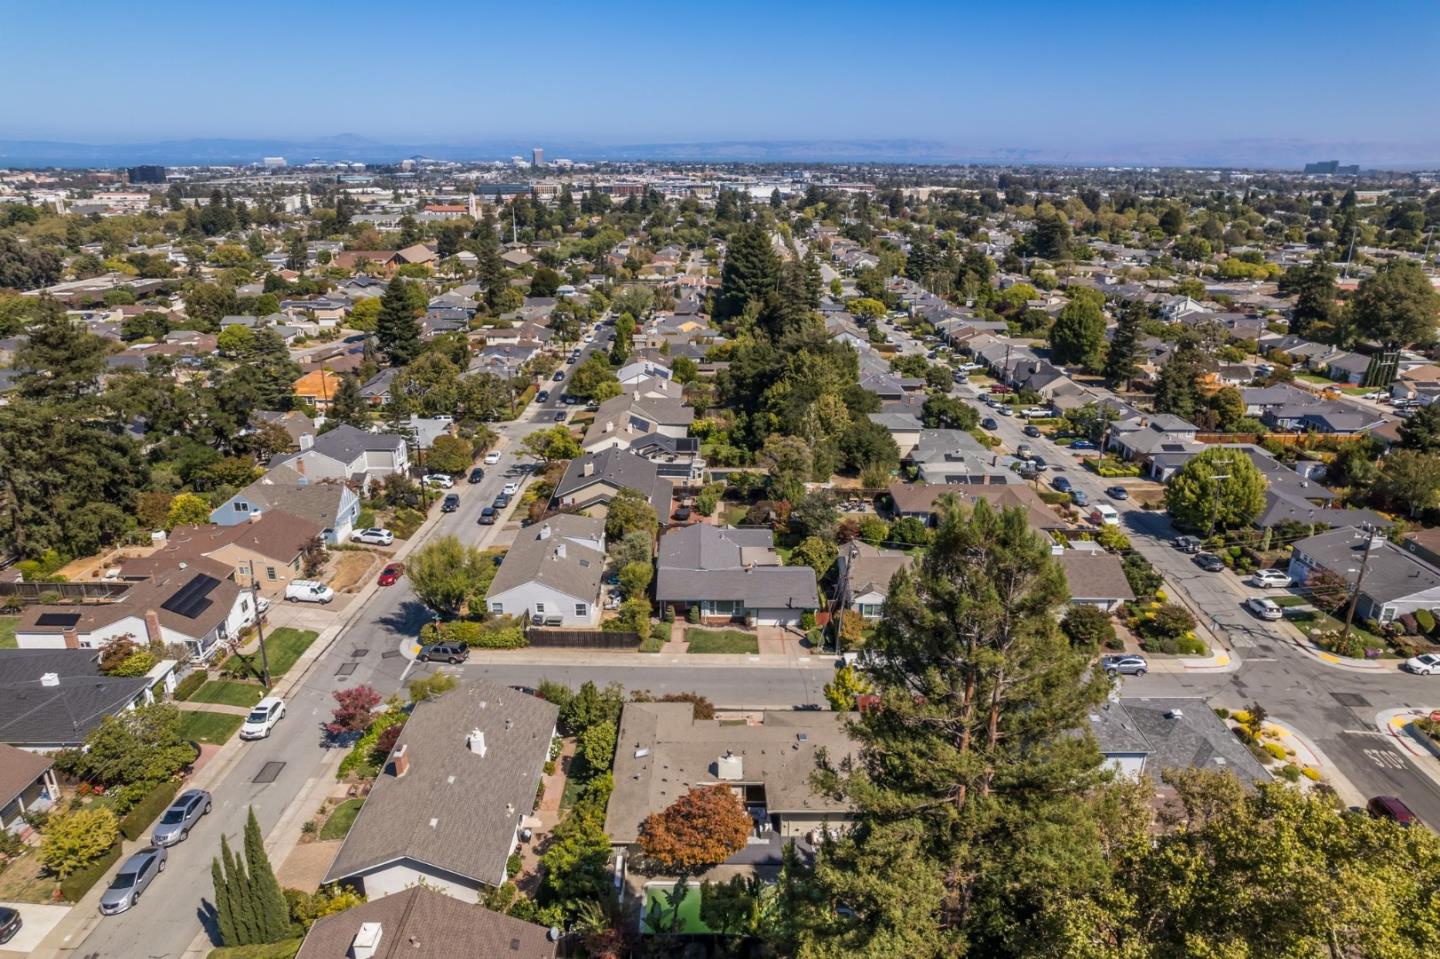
[[77, 839], [1290, 772], [692, 615], [1168, 622], [1087, 626], [502, 633], [405, 522], [668, 614], [1222, 712], [192, 682], [137, 821], [1409, 624], [1311, 773], [1425, 620], [367, 753], [512, 865], [807, 620], [1274, 749], [74, 886]]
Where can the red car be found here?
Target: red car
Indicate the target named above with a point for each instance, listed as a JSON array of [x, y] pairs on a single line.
[[390, 574]]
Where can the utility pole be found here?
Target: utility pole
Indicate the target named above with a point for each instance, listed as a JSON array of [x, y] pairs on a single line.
[[1355, 593], [260, 631], [1215, 507]]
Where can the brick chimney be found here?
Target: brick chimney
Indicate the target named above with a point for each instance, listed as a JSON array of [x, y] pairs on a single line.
[[401, 761], [72, 639], [152, 627]]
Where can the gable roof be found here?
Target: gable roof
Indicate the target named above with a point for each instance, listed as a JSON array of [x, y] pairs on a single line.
[[869, 569], [18, 770], [345, 443], [1173, 733], [454, 809], [32, 713], [704, 562], [621, 469], [420, 923], [1095, 575], [554, 554], [284, 489]]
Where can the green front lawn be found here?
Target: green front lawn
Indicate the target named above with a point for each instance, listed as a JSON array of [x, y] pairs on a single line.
[[1288, 601], [7, 631], [283, 646], [228, 692], [687, 919], [721, 641], [213, 728], [341, 819]]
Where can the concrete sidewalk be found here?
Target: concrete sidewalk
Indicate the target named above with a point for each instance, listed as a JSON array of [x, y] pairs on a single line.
[[582, 657]]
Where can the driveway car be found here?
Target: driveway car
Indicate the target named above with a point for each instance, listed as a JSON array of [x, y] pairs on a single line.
[[263, 717], [374, 535], [1270, 579], [1426, 664], [1033, 432], [308, 591], [487, 516], [1187, 544], [510, 489], [1023, 451], [1061, 484], [476, 475], [391, 574], [134, 877], [444, 653], [1264, 608], [492, 457], [441, 480], [451, 503], [990, 423], [1391, 808], [1082, 445], [9, 923], [1035, 412], [1209, 562], [1038, 464], [177, 821], [1124, 664], [1117, 492]]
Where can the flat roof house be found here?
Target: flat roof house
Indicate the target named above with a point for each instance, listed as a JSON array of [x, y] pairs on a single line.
[[552, 573], [732, 574], [664, 750], [448, 806]]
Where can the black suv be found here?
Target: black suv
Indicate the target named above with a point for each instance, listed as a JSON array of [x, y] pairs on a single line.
[[444, 653], [451, 503], [476, 475]]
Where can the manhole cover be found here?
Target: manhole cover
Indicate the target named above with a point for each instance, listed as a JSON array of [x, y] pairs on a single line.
[[346, 669], [390, 654], [359, 653], [268, 772], [1350, 699]]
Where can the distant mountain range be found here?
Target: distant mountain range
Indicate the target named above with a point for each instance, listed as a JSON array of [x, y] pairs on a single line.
[[1239, 153]]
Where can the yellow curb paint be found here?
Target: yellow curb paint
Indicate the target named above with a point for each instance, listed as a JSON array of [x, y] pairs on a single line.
[[1222, 660], [1329, 659]]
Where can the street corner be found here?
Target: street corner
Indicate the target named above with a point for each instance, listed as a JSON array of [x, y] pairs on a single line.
[[1313, 765], [1342, 662], [1401, 725], [1221, 662]]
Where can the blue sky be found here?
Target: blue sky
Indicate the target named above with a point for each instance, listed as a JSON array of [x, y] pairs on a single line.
[[1035, 73]]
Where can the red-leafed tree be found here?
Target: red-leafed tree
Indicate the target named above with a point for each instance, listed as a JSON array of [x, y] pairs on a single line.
[[354, 710], [705, 826]]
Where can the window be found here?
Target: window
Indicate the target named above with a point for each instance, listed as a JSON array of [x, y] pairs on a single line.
[[872, 610], [270, 573], [539, 607], [498, 609], [582, 609], [241, 506]]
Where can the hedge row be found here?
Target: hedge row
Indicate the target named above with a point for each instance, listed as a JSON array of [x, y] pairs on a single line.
[[78, 883], [192, 682], [496, 634], [137, 821], [284, 949]]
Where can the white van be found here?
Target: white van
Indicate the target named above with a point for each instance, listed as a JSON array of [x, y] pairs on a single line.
[[1103, 515], [308, 591]]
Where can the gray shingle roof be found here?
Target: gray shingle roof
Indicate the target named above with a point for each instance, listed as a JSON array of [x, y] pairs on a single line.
[[344, 443], [1181, 733], [1095, 575], [707, 562], [421, 923], [453, 809], [33, 713], [536, 557]]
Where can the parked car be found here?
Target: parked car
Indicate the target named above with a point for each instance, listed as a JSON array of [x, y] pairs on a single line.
[[511, 489], [487, 516], [476, 475], [391, 574], [1038, 464], [1187, 544], [1104, 515], [559, 416], [263, 717], [1035, 412], [501, 501], [1117, 492], [492, 457], [451, 503], [1124, 664], [134, 877], [1023, 451], [1209, 562], [542, 396], [1265, 608], [1426, 664], [990, 423], [1033, 432], [455, 653], [1061, 484], [1271, 579], [1079, 497], [374, 535], [442, 480], [308, 591], [9, 923], [1082, 445], [1391, 808], [1004, 411], [177, 821]]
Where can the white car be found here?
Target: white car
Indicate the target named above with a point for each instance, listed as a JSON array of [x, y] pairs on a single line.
[[492, 457], [439, 479], [1104, 515], [511, 489], [375, 536], [1426, 664], [1264, 608], [263, 717], [1270, 579], [308, 591], [1035, 412], [1376, 395]]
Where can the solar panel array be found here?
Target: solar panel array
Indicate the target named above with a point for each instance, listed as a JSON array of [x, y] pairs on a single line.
[[193, 598], [60, 620]]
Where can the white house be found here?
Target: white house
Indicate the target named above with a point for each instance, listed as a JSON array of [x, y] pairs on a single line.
[[552, 573], [350, 455]]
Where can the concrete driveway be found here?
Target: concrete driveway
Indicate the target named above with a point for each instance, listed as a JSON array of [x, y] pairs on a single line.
[[37, 921]]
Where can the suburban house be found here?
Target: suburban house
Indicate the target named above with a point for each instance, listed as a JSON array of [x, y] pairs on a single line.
[[955, 456], [922, 501], [1096, 578], [448, 806], [552, 573], [195, 603], [1144, 437], [677, 458], [317, 388], [904, 429], [632, 373], [1397, 581], [732, 575], [55, 697], [622, 419], [27, 784], [266, 552], [332, 505], [420, 923], [664, 751], [293, 422], [1146, 736], [350, 455], [593, 480], [865, 574]]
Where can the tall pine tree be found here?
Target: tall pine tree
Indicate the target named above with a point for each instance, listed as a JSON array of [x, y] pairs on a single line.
[[348, 406], [1122, 361], [237, 885], [398, 330], [490, 270], [224, 916], [751, 273], [272, 915]]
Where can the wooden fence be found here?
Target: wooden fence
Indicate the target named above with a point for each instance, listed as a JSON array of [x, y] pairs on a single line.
[[544, 637], [69, 592], [1289, 439]]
